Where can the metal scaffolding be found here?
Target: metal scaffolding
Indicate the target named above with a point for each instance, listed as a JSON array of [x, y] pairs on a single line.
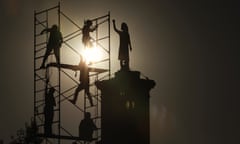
[[64, 81]]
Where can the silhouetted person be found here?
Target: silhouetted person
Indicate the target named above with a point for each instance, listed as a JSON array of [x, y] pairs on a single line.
[[125, 45], [87, 127], [87, 28], [84, 82], [49, 111], [54, 43]]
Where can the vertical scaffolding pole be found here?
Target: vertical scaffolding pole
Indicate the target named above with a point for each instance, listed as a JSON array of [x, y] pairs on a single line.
[[34, 66], [59, 81], [109, 44]]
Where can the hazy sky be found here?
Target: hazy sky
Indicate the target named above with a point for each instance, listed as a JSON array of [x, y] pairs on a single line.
[[191, 50]]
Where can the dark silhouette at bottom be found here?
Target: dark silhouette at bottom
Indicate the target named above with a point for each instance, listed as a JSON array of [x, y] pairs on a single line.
[[87, 127], [31, 132], [49, 111]]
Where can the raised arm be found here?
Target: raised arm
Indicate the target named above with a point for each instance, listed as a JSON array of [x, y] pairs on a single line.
[[114, 26]]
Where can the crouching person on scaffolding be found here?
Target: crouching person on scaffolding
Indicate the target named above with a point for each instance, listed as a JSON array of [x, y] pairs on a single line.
[[84, 82], [87, 28], [87, 127], [54, 43]]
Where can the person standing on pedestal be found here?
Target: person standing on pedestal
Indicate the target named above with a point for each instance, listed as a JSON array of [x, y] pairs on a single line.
[[125, 45]]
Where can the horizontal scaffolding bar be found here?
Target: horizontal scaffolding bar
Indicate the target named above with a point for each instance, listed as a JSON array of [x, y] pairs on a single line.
[[76, 35], [36, 80], [39, 44], [104, 60], [49, 9], [38, 57], [102, 21], [38, 91], [40, 49], [37, 69], [103, 38], [69, 89], [40, 125], [40, 22], [39, 113], [101, 17], [41, 100], [43, 56], [63, 137]]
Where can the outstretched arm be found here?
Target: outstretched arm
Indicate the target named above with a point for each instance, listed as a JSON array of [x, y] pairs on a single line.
[[93, 29], [114, 26], [45, 30]]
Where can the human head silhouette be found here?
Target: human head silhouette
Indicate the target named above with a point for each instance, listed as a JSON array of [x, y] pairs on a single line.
[[87, 115], [124, 27], [51, 90], [54, 27], [88, 23]]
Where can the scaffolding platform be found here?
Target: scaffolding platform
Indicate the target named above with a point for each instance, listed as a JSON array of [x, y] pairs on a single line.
[[63, 137]]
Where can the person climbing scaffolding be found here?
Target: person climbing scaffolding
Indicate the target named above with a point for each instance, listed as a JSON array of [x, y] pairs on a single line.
[[84, 82], [125, 45], [54, 43], [86, 38]]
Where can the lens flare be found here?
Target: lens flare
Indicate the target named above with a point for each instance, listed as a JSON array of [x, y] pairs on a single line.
[[92, 55]]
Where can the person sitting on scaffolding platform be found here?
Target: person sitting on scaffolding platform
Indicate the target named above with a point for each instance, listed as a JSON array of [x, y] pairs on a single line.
[[84, 82], [87, 28], [87, 127], [54, 43]]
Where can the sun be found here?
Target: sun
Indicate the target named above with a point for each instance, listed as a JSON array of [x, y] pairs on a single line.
[[92, 54]]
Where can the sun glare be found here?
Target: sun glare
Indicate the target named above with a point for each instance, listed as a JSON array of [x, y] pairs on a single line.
[[92, 54]]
